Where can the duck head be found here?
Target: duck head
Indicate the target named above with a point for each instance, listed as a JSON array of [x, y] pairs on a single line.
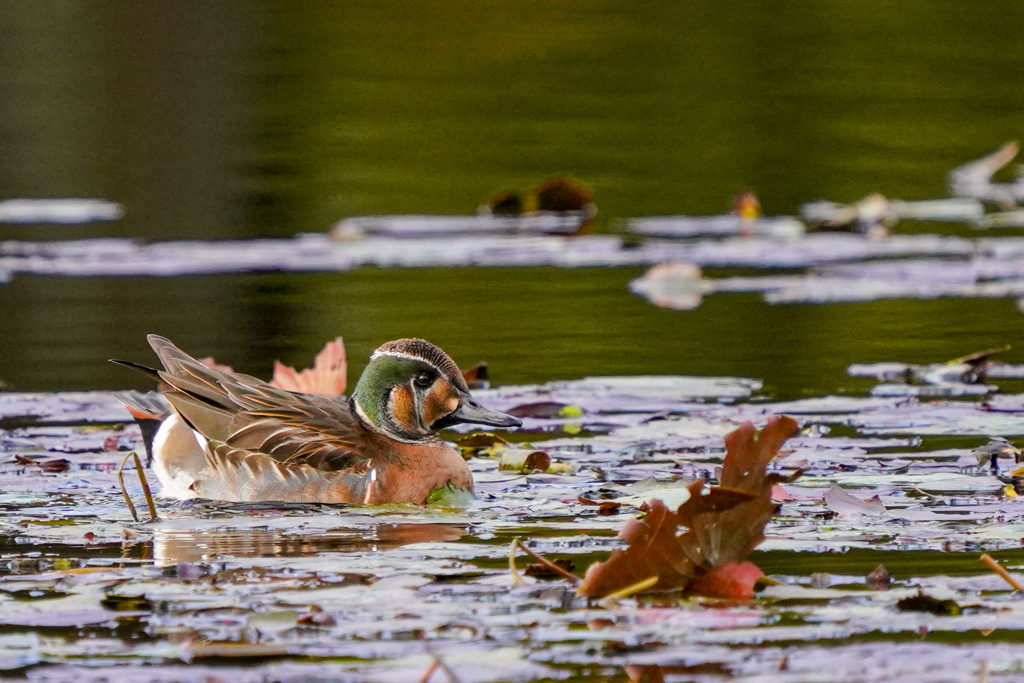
[[411, 390]]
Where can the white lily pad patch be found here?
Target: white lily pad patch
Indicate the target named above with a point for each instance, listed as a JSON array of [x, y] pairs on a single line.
[[312, 592]]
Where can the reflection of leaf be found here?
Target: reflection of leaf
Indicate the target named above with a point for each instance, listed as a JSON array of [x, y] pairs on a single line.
[[724, 524]]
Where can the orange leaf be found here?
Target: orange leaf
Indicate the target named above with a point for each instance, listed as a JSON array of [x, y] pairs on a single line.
[[730, 580], [724, 524], [327, 377]]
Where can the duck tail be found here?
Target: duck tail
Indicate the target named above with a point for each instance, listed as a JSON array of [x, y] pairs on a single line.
[[149, 411]]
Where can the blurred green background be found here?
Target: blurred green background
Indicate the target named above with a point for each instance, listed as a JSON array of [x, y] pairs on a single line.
[[212, 120]]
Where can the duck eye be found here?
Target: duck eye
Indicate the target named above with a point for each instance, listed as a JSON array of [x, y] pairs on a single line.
[[423, 380]]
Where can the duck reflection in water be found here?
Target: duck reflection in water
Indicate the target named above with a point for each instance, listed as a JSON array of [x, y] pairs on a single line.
[[172, 547]]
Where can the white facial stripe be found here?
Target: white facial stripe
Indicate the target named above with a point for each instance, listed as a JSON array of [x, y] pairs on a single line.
[[405, 356]]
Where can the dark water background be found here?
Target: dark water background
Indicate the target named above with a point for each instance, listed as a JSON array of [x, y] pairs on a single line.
[[231, 120]]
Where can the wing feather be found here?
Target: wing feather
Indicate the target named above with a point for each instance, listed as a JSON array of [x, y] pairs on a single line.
[[251, 416], [241, 475]]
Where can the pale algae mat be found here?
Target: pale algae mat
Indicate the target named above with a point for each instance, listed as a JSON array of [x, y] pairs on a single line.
[[216, 591]]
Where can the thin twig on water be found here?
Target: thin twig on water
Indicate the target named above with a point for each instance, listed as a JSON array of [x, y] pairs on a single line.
[[434, 666], [610, 599], [994, 565], [452, 678], [546, 562], [512, 563]]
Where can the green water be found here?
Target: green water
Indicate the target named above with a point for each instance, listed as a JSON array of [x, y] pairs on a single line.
[[220, 120], [531, 325]]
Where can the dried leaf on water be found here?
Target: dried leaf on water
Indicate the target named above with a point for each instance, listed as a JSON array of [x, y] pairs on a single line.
[[604, 507], [730, 580], [724, 524], [524, 460], [843, 503], [483, 444]]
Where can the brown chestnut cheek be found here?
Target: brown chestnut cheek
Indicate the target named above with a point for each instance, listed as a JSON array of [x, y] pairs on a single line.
[[403, 409], [441, 400]]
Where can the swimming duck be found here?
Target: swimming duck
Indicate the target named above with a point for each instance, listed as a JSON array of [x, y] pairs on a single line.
[[565, 200], [249, 441]]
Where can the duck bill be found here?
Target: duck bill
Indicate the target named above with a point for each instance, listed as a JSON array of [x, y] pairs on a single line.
[[472, 412]]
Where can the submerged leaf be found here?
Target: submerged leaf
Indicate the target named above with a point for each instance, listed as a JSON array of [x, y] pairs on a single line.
[[926, 603], [449, 496]]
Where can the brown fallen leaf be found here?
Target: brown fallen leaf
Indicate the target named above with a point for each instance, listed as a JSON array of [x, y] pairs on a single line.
[[723, 523], [327, 377], [646, 673], [524, 460], [46, 464], [480, 444], [730, 580], [231, 650], [604, 507]]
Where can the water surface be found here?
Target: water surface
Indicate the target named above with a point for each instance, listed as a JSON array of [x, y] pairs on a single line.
[[244, 119]]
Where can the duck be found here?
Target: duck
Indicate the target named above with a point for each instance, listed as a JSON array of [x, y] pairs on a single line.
[[234, 437], [327, 377], [559, 197]]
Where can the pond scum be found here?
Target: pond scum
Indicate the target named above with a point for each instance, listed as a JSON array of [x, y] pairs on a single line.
[[871, 537], [872, 556]]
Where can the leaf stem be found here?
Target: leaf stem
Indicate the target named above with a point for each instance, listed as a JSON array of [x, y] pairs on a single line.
[[512, 563], [124, 491], [145, 488], [612, 598]]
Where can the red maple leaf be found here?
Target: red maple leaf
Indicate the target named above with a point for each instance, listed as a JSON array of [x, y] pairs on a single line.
[[723, 524]]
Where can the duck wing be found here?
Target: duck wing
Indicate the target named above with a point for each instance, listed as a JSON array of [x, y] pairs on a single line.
[[250, 417]]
